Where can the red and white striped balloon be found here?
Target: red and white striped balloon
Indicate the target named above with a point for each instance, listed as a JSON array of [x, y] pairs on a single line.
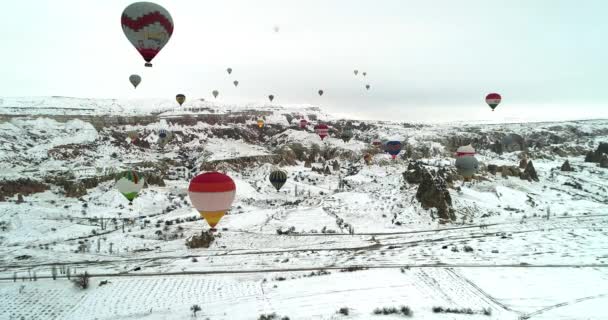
[[212, 194]]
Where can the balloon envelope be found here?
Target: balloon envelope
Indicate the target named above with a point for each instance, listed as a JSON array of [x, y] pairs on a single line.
[[270, 97], [320, 92], [467, 166], [467, 150], [148, 27], [135, 80], [346, 135], [356, 72], [229, 70], [493, 99], [303, 123], [129, 183], [212, 194], [180, 98], [260, 123], [215, 93], [236, 83], [322, 130], [393, 148], [278, 178], [367, 86]]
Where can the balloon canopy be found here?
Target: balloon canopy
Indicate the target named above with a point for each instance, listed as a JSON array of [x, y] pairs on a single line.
[[493, 100], [148, 27], [135, 80], [212, 194], [278, 178], [303, 123], [180, 98], [129, 183], [467, 166], [322, 130], [215, 93], [467, 150], [393, 148]]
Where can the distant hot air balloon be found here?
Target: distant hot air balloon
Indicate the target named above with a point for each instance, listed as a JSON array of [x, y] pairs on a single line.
[[320, 92], [162, 133], [467, 166], [346, 135], [212, 193], [364, 73], [236, 83], [148, 27], [467, 150], [278, 178], [135, 80], [229, 70], [215, 93], [393, 148], [276, 28], [322, 130], [260, 123], [270, 97], [356, 72], [180, 98], [367, 86], [377, 143], [493, 99], [132, 134], [367, 158], [303, 123], [129, 183]]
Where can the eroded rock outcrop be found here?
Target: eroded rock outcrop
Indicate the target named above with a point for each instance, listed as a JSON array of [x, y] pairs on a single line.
[[433, 193]]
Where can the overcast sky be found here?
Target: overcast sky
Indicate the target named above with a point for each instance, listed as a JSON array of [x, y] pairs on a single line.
[[421, 57]]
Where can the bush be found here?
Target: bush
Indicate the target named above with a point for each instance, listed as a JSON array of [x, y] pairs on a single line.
[[344, 311], [458, 311], [195, 308], [82, 281], [404, 310]]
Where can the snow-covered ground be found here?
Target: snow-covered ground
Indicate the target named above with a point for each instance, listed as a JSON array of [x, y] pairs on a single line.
[[521, 249]]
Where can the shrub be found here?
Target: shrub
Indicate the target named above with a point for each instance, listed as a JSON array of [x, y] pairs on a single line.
[[82, 281], [344, 311], [195, 308], [404, 310]]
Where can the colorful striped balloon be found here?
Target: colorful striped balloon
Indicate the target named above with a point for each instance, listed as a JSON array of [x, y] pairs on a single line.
[[393, 148], [322, 130], [465, 151], [493, 99], [212, 194], [148, 27], [129, 183]]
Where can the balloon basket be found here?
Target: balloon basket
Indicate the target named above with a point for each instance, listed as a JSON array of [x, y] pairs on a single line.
[[148, 64], [213, 230]]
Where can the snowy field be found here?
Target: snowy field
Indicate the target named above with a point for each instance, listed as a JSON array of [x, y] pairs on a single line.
[[517, 250]]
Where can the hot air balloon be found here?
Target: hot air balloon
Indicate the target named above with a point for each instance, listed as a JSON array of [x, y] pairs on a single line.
[[129, 183], [260, 123], [278, 178], [356, 72], [276, 28], [132, 134], [367, 158], [162, 133], [376, 143], [467, 166], [467, 150], [135, 80], [229, 70], [270, 97], [148, 27], [320, 92], [393, 148], [364, 73], [346, 135], [303, 123], [215, 93], [493, 99], [236, 83], [212, 193], [367, 86], [322, 130], [180, 98]]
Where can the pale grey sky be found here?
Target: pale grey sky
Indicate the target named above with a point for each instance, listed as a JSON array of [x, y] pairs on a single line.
[[421, 56]]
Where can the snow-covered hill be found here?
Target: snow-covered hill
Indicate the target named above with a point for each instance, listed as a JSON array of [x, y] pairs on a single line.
[[339, 234]]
